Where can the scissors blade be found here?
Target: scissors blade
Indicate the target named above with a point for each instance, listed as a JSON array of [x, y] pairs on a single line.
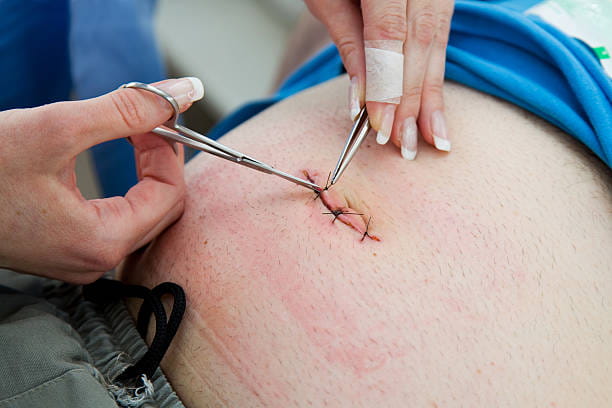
[[192, 134], [176, 132], [235, 157], [359, 131], [257, 165], [177, 137]]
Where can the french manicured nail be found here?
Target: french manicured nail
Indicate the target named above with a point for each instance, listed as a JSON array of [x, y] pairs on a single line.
[[409, 138], [440, 137], [183, 90], [354, 92], [384, 133]]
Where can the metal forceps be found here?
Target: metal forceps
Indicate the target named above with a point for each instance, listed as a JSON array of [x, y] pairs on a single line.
[[360, 130], [173, 131]]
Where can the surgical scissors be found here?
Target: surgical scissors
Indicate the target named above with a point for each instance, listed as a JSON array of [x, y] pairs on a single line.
[[358, 133], [178, 133]]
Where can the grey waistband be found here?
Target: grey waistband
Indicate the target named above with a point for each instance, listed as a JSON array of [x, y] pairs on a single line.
[[109, 335]]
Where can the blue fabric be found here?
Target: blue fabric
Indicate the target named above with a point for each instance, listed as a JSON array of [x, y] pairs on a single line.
[[50, 48], [496, 49], [34, 63], [112, 42]]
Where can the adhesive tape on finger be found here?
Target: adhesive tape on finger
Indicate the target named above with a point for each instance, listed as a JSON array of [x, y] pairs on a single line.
[[384, 70]]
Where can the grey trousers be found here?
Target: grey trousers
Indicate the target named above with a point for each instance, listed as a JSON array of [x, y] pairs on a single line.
[[58, 350]]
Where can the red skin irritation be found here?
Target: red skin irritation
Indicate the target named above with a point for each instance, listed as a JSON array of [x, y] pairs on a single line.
[[334, 202]]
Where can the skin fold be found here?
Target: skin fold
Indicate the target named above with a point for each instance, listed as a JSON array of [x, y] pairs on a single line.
[[490, 286], [339, 202]]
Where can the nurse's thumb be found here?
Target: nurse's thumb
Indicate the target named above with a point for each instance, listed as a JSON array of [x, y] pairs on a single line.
[[130, 111]]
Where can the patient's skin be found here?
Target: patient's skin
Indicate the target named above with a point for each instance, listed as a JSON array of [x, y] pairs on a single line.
[[491, 284]]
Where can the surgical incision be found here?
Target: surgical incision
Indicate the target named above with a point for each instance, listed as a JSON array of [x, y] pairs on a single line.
[[341, 210]]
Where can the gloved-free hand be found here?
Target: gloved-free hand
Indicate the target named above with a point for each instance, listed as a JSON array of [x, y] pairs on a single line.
[[47, 228], [396, 50]]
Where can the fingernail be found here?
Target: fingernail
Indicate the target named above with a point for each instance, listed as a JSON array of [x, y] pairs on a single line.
[[354, 92], [384, 133], [183, 90], [440, 137], [409, 138]]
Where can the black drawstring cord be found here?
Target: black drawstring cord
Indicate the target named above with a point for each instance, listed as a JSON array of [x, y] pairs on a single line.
[[104, 291], [161, 341], [178, 308]]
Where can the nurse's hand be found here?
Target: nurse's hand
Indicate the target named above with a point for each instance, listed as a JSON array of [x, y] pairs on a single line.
[[417, 28], [47, 228]]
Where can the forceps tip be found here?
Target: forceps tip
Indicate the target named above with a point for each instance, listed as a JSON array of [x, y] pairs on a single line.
[[318, 189], [333, 179]]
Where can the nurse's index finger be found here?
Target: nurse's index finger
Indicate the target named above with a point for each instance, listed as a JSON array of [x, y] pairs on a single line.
[[126, 223]]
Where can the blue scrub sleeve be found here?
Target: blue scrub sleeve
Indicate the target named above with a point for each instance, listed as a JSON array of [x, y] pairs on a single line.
[[112, 42]]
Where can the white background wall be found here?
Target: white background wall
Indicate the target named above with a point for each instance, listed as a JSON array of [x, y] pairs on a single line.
[[234, 46]]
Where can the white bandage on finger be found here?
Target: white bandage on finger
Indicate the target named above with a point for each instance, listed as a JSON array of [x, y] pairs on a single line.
[[384, 70]]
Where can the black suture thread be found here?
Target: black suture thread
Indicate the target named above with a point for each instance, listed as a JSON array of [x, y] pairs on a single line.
[[337, 213], [365, 234], [318, 193]]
